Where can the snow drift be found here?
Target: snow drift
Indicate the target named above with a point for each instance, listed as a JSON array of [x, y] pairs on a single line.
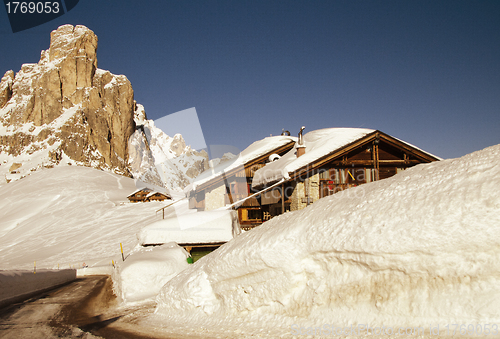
[[146, 270], [418, 248]]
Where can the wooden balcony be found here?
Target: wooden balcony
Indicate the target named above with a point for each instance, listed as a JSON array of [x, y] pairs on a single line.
[[230, 198]]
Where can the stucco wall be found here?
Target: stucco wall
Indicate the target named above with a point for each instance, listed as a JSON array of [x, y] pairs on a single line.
[[298, 200], [215, 198]]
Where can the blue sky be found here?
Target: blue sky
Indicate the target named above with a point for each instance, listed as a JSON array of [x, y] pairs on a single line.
[[427, 72]]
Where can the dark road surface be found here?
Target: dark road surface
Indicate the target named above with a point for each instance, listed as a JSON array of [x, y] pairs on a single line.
[[76, 310]]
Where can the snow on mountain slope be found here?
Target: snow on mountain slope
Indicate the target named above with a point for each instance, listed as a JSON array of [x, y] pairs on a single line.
[[158, 158], [416, 249], [69, 215]]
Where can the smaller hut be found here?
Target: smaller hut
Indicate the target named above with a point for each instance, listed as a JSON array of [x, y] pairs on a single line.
[[147, 194], [157, 196]]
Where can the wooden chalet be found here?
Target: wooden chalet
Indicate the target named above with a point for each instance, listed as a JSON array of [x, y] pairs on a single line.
[[330, 161], [316, 165], [146, 194]]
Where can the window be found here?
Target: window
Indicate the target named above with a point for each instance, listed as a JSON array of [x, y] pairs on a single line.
[[250, 214], [253, 214]]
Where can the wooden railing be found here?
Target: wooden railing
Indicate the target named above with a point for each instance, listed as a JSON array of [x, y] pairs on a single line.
[[163, 208]]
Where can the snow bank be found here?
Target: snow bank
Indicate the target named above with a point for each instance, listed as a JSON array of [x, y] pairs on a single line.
[[416, 249], [146, 270], [16, 286], [193, 228]]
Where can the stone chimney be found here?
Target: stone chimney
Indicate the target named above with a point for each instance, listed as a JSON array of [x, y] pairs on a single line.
[[301, 148]]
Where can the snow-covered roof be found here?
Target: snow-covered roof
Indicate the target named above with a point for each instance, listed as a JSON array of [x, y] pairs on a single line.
[[318, 143], [155, 192], [252, 152], [192, 228], [145, 189]]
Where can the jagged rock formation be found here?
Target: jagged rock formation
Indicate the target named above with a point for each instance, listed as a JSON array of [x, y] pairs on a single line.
[[68, 106], [64, 110], [6, 87]]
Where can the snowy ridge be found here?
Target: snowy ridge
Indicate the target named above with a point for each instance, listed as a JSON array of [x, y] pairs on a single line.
[[418, 248]]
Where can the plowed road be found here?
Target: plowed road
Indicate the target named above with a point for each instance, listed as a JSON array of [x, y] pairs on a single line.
[[76, 310]]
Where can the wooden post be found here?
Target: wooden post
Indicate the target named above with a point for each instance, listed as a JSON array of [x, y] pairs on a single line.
[[282, 198], [376, 164], [121, 248]]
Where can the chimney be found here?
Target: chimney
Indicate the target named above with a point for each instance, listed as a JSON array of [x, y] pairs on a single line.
[[301, 148]]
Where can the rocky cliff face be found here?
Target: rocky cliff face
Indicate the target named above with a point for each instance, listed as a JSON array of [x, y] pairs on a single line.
[[64, 110], [68, 106]]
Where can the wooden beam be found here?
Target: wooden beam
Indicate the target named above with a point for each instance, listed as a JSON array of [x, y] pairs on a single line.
[[402, 145], [399, 162]]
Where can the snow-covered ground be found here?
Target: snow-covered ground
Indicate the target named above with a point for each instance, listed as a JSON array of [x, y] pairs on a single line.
[[67, 216], [418, 249], [71, 217]]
